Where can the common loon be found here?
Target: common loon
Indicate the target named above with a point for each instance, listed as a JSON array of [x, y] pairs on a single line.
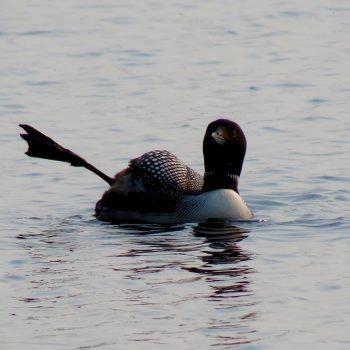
[[158, 188]]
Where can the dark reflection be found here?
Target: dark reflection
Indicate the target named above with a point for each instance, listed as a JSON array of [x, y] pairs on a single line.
[[220, 228], [166, 268], [222, 237], [147, 228], [224, 259], [214, 254], [225, 266]]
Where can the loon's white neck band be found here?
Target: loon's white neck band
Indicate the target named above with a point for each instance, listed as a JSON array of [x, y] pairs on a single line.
[[213, 172]]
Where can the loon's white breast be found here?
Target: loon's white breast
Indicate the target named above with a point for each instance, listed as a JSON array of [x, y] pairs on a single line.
[[216, 204]]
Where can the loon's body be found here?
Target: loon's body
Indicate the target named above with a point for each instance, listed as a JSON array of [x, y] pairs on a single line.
[[158, 188]]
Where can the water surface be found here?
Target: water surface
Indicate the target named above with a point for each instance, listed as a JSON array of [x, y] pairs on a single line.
[[112, 80]]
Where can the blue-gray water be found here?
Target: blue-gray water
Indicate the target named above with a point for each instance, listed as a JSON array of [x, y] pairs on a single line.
[[113, 79]]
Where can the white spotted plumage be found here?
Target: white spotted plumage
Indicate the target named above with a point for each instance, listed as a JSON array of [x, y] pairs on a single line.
[[161, 171]]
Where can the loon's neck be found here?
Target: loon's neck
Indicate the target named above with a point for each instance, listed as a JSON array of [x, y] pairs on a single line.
[[214, 180]]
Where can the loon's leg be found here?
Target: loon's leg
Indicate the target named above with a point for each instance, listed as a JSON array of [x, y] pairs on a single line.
[[41, 146]]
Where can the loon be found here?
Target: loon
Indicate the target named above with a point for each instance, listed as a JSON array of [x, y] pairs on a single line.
[[159, 188]]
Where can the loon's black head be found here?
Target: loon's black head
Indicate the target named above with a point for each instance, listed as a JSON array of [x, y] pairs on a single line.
[[224, 148]]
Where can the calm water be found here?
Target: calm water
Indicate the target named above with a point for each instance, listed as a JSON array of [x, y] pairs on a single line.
[[113, 79]]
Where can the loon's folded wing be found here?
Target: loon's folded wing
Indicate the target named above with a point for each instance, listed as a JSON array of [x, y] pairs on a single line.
[[162, 172], [153, 183]]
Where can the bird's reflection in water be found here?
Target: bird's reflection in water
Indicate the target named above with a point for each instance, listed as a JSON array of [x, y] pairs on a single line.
[[147, 228], [222, 237], [201, 279], [181, 262], [224, 259], [227, 271]]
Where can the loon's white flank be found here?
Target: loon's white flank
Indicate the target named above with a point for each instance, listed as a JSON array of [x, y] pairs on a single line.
[[217, 204]]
